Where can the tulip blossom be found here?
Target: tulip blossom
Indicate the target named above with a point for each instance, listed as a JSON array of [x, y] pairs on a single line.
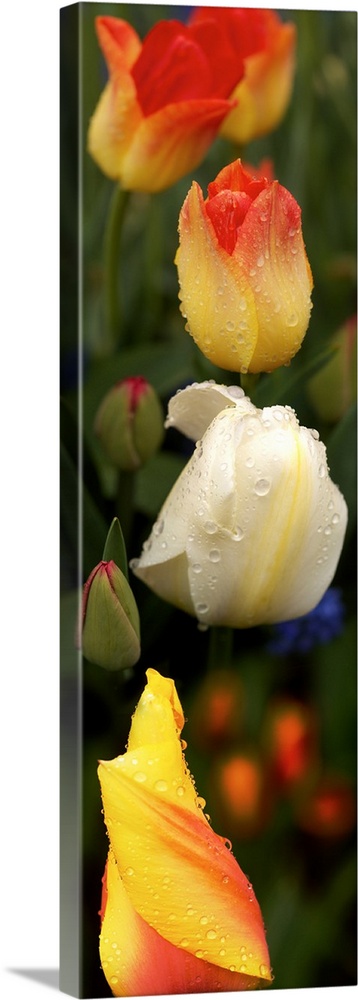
[[164, 101], [244, 277], [267, 47], [178, 914], [253, 528]]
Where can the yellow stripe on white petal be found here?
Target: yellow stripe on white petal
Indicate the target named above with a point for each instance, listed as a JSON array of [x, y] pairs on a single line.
[[253, 529]]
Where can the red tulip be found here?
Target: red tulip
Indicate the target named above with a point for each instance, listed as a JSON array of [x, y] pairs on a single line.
[[164, 102], [267, 48]]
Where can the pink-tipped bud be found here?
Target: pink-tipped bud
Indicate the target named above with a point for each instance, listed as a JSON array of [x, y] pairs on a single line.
[[130, 423], [110, 619]]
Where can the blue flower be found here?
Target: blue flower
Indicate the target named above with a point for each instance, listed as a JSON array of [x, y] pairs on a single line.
[[320, 625]]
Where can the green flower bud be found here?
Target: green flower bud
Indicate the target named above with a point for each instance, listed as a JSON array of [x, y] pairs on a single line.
[[110, 619], [334, 388], [130, 423]]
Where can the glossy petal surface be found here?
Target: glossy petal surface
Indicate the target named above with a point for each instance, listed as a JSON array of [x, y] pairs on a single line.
[[258, 523], [169, 870]]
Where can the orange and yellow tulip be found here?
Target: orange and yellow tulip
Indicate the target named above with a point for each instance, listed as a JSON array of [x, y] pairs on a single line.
[[178, 914], [267, 47], [245, 281], [164, 101]]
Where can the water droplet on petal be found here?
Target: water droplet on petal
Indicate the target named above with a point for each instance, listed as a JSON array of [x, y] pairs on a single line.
[[292, 320], [214, 555], [161, 786], [202, 609], [262, 487], [140, 776]]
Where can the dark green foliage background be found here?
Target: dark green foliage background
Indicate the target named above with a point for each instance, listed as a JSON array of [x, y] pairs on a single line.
[[306, 890]]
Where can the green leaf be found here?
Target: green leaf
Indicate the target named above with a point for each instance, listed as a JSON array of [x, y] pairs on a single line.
[[166, 366], [115, 547], [155, 480]]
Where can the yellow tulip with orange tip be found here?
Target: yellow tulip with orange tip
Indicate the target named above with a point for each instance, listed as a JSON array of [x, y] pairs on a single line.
[[178, 914], [245, 282]]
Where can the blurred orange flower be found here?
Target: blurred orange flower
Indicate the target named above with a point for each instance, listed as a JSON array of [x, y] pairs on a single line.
[[291, 742], [330, 810], [243, 793], [216, 713]]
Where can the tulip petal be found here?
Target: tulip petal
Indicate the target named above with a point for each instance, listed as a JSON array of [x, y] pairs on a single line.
[[252, 530], [264, 92], [137, 961], [216, 297], [257, 569], [192, 409], [181, 878], [113, 124], [119, 42], [270, 250], [169, 143]]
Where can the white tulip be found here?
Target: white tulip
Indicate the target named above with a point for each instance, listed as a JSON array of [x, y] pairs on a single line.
[[252, 531]]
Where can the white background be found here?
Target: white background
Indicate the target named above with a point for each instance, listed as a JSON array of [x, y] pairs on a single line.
[[29, 500]]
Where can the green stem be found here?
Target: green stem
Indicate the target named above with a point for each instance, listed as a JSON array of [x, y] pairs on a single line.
[[113, 305], [221, 642], [248, 383]]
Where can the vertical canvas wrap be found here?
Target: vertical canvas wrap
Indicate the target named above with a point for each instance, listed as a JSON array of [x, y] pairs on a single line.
[[208, 499]]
